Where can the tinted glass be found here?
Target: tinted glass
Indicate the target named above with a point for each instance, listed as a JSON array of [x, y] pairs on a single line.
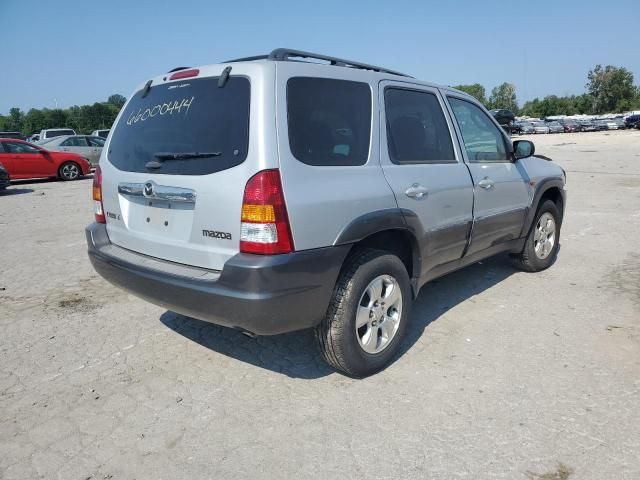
[[75, 142], [482, 139], [190, 116], [10, 135], [15, 147], [59, 133], [417, 131], [329, 121], [95, 141]]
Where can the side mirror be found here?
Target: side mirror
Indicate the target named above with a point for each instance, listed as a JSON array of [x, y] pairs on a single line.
[[523, 149]]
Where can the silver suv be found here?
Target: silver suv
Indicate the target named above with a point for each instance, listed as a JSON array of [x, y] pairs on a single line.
[[295, 190]]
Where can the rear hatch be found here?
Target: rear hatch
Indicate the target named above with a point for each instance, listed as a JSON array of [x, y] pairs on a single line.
[[176, 169]]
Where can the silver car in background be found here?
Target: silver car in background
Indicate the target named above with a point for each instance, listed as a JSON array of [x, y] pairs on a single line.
[[540, 127], [555, 127], [88, 146]]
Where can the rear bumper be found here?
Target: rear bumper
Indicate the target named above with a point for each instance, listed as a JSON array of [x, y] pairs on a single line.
[[265, 295]]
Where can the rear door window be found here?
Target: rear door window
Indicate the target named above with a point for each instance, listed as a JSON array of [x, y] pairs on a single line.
[[329, 121], [95, 141], [192, 116], [417, 130], [75, 142]]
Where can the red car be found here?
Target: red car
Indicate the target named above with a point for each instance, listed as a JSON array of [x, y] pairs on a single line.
[[24, 160]]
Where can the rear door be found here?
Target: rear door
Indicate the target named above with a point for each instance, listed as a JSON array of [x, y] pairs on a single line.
[[502, 191], [178, 160], [79, 145], [424, 168]]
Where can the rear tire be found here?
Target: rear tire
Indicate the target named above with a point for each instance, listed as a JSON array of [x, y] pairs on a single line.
[[69, 171], [541, 247], [373, 291]]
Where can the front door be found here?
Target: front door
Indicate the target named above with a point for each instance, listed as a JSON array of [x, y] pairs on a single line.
[[501, 187], [423, 165], [26, 161]]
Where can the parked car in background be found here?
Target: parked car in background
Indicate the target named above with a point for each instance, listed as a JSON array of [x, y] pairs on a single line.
[[86, 146], [601, 124], [632, 121], [555, 127], [25, 160], [526, 128], [620, 122], [4, 178], [55, 132], [12, 135], [100, 133], [588, 126], [540, 127], [570, 125], [505, 118], [34, 138]]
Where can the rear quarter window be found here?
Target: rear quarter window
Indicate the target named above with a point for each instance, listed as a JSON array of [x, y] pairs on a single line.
[[329, 121]]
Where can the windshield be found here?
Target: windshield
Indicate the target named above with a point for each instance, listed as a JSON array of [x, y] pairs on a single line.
[[184, 117]]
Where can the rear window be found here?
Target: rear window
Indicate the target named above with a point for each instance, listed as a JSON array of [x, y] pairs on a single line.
[[329, 121], [190, 116], [58, 133]]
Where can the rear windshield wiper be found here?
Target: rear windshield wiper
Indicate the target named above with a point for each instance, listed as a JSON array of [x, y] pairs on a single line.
[[185, 155], [163, 156]]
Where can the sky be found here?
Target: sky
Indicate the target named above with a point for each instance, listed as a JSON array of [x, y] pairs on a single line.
[[72, 52]]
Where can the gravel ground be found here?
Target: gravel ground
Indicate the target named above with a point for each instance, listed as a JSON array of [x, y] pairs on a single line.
[[504, 375]]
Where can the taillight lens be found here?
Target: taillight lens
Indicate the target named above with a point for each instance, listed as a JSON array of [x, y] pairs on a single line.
[[191, 72], [97, 196], [265, 226]]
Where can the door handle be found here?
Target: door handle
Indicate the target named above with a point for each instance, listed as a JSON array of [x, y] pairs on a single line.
[[65, 149], [416, 191], [486, 183]]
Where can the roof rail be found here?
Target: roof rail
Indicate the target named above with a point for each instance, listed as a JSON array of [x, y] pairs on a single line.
[[286, 54]]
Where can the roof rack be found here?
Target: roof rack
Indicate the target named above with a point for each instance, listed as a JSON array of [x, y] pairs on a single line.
[[286, 54]]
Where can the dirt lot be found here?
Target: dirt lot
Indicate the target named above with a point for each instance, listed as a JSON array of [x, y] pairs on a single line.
[[505, 374]]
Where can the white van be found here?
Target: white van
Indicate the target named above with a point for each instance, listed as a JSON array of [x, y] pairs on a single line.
[[55, 132]]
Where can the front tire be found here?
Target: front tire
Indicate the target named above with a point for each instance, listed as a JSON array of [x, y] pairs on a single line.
[[69, 171], [541, 247], [368, 314]]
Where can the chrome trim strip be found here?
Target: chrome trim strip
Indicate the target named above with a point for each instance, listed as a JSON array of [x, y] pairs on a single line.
[[154, 191]]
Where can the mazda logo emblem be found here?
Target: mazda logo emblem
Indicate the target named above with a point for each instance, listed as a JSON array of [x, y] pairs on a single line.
[[148, 189]]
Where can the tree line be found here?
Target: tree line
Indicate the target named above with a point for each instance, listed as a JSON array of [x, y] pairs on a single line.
[[83, 119], [609, 89]]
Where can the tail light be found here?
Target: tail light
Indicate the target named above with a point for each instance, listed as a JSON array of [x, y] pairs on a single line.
[[191, 72], [98, 210], [265, 228]]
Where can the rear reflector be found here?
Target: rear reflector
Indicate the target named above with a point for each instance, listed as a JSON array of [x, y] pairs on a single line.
[[265, 226], [98, 210], [192, 72]]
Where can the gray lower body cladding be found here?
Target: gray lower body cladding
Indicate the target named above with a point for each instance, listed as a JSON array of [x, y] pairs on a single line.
[[264, 295]]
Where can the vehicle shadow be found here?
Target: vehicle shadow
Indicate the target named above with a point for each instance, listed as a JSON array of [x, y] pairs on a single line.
[[36, 181], [295, 354], [14, 191]]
